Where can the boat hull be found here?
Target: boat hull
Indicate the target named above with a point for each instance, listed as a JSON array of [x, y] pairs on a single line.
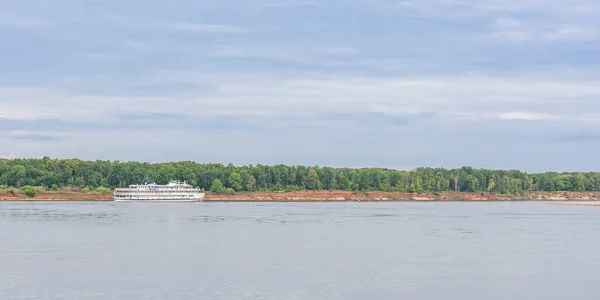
[[161, 200], [158, 201]]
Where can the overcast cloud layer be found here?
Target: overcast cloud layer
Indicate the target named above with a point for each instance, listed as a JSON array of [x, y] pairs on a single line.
[[400, 84]]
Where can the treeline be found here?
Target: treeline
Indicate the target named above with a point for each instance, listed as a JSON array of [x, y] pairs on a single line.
[[56, 173]]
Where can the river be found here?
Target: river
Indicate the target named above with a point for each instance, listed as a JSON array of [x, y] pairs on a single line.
[[404, 250]]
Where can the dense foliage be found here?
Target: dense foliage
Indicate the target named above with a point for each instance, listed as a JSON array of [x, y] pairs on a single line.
[[54, 173]]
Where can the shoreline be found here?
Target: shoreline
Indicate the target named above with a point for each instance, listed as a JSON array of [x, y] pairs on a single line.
[[579, 203], [571, 198]]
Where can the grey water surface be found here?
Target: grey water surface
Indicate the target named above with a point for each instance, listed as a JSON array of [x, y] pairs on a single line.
[[404, 250]]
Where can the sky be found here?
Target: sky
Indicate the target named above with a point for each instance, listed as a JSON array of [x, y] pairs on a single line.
[[499, 84]]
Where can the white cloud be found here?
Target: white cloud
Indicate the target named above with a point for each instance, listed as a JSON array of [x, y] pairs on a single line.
[[134, 23], [99, 56], [36, 136], [450, 98], [230, 51], [581, 117], [291, 2], [571, 33], [198, 27], [512, 20], [492, 6], [23, 114], [8, 156], [306, 55], [341, 50], [544, 30], [123, 21], [26, 103], [553, 34], [519, 115], [25, 22]]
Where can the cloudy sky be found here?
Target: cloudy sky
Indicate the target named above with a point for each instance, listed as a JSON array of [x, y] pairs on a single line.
[[400, 84]]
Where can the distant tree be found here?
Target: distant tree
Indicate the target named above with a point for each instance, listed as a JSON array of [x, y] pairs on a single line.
[[251, 183], [492, 186], [456, 176], [55, 173], [235, 181], [313, 179], [16, 176], [217, 186]]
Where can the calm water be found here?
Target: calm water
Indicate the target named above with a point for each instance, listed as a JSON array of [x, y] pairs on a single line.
[[111, 251]]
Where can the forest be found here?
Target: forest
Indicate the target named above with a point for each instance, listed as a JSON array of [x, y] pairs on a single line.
[[57, 173]]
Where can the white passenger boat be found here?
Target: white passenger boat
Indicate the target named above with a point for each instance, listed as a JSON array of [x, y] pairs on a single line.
[[174, 191]]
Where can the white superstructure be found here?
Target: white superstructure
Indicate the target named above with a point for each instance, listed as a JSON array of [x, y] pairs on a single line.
[[174, 191]]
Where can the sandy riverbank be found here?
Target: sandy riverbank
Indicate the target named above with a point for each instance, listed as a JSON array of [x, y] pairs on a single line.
[[315, 196], [398, 196]]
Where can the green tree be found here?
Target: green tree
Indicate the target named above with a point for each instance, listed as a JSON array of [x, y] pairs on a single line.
[[251, 183], [17, 176], [55, 173], [313, 180], [217, 186], [578, 183], [491, 186], [235, 181]]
